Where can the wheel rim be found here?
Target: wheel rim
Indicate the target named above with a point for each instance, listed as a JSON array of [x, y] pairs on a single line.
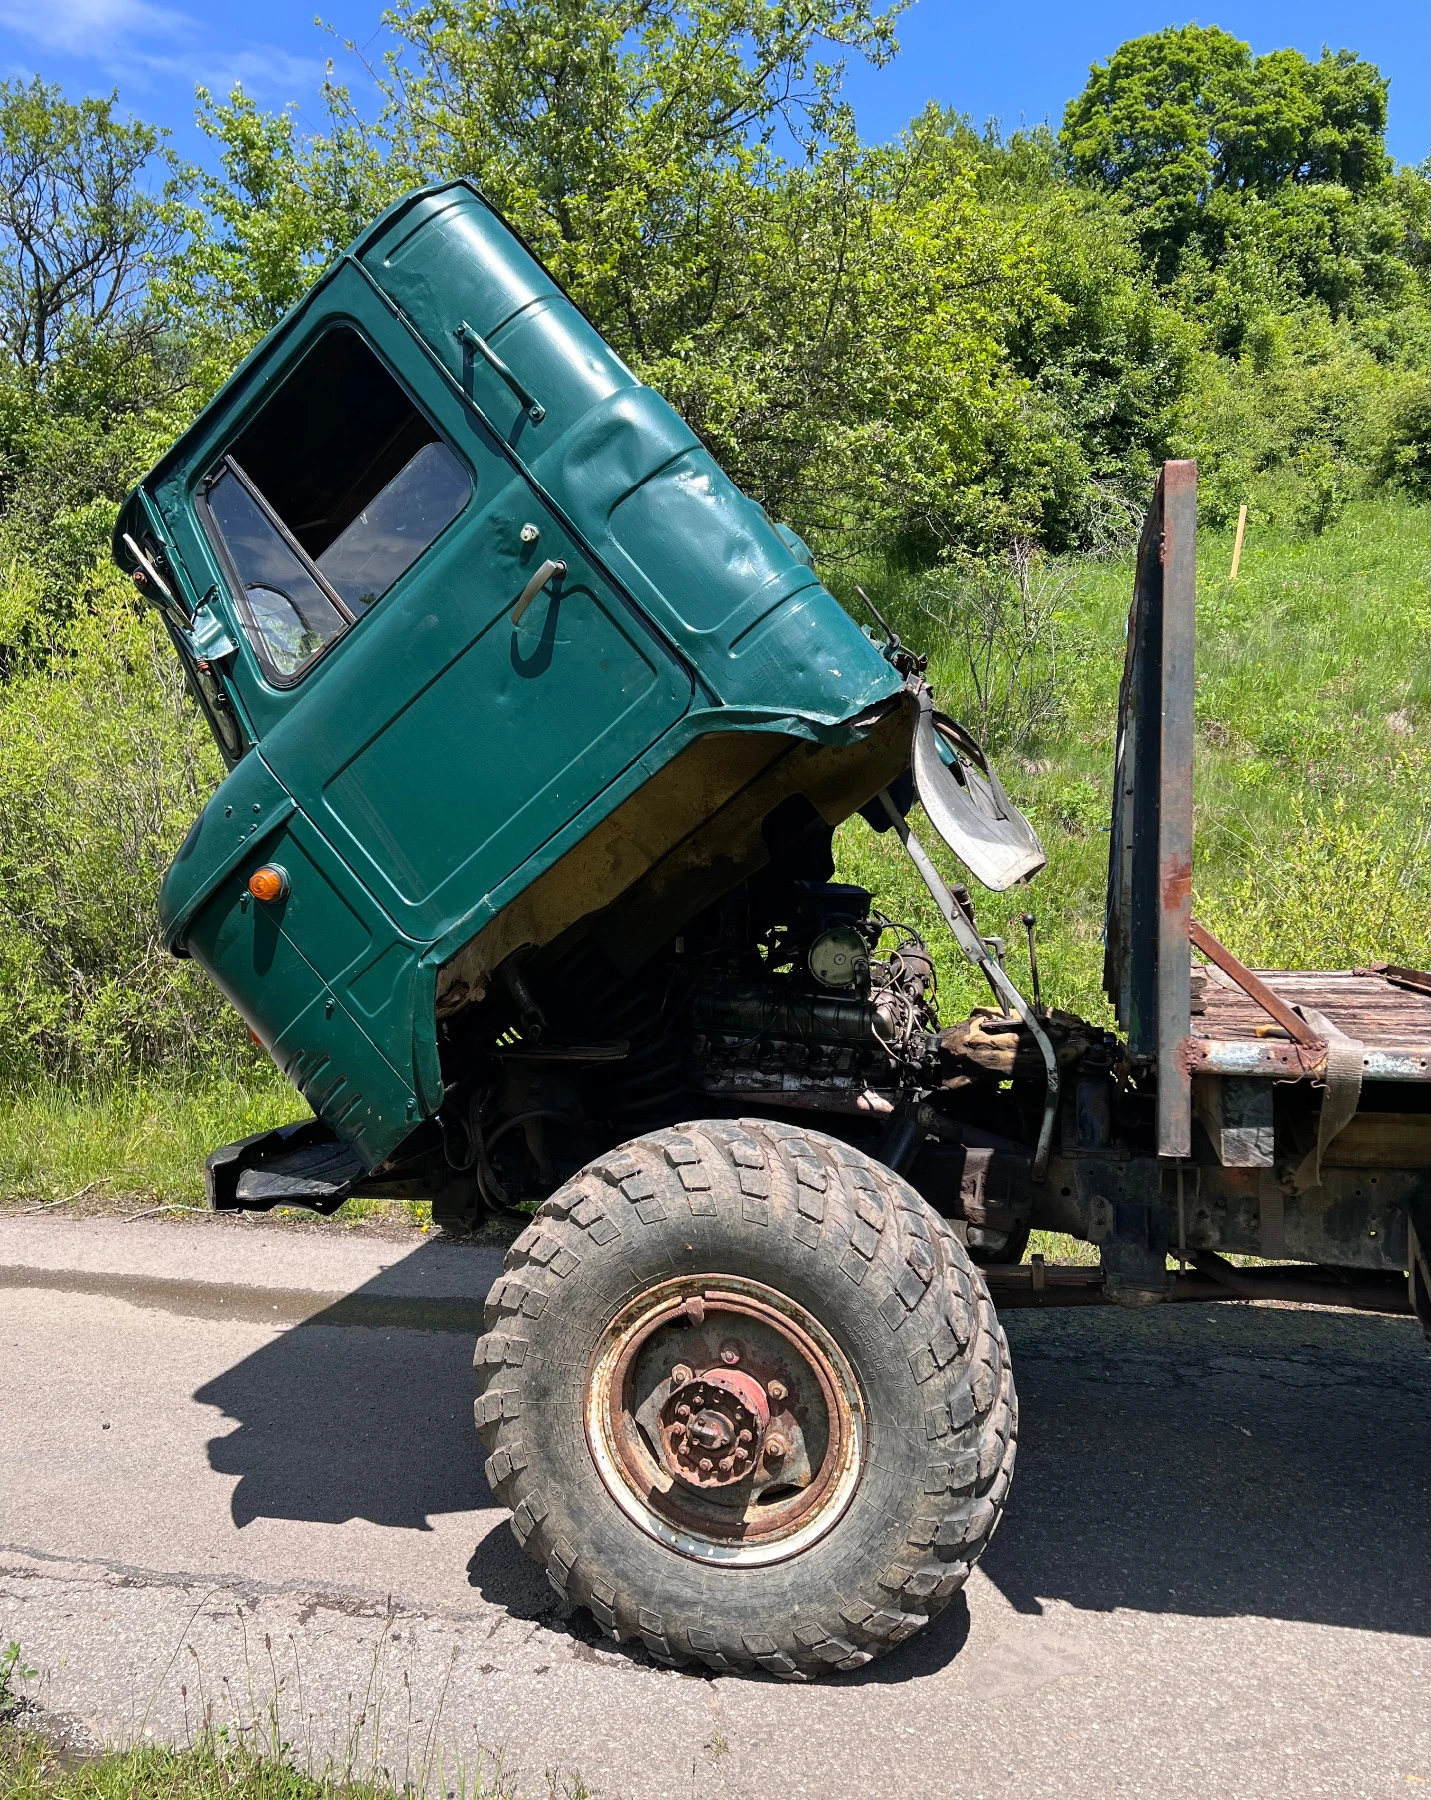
[[724, 1420]]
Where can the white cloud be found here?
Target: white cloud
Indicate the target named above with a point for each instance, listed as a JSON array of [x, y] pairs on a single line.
[[92, 27], [137, 42]]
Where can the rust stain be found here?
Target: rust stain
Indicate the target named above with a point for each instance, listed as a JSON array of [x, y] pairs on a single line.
[[1177, 883]]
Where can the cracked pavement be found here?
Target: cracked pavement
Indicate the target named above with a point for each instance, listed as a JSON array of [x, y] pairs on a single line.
[[239, 1474]]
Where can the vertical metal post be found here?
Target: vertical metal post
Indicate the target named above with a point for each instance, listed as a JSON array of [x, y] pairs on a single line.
[[1175, 807]]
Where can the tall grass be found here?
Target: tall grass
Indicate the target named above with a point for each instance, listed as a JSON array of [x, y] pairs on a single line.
[[1312, 802], [147, 1140]]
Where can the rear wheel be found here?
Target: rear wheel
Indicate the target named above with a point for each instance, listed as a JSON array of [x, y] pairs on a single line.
[[747, 1399]]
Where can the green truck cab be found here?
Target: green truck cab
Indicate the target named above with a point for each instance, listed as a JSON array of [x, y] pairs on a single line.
[[452, 587]]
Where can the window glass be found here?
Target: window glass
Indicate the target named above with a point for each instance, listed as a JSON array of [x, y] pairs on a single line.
[[334, 490], [396, 526], [289, 616]]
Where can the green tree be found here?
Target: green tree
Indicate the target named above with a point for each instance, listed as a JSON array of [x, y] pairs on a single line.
[[1176, 118], [81, 229], [92, 370]]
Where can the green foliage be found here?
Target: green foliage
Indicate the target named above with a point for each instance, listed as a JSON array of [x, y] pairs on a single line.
[[221, 1765], [1174, 119], [141, 1138], [103, 765], [79, 229], [1312, 770]]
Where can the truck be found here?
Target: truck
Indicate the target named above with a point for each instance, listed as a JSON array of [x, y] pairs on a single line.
[[537, 732]]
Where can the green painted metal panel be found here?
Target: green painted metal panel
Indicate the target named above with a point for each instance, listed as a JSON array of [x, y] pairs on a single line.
[[436, 757]]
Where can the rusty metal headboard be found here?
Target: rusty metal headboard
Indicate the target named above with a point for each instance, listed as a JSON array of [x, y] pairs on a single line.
[[1148, 960]]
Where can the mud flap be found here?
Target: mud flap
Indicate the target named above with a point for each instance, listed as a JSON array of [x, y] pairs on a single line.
[[965, 801]]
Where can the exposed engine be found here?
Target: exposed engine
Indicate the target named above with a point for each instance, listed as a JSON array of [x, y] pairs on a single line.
[[839, 1019], [791, 991]]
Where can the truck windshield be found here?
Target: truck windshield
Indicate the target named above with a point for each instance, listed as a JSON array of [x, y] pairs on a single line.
[[328, 497]]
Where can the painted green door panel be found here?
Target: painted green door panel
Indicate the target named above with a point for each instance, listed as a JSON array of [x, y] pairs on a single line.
[[262, 956], [334, 1065], [510, 739], [445, 745]]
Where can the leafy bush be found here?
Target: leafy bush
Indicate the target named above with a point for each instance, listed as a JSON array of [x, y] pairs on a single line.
[[103, 765], [1348, 886]]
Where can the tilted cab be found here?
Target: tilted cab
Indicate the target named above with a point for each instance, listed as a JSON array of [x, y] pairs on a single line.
[[342, 542]]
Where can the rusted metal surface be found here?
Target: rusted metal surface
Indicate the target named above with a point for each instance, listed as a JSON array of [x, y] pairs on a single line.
[[1233, 1034], [724, 1420], [713, 1425], [1175, 803], [1024, 1284], [1147, 964], [1417, 979], [1254, 987]]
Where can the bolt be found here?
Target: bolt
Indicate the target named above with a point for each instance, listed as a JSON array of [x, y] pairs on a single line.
[[727, 1463], [706, 1465], [742, 1456], [745, 1437], [529, 534], [683, 1411], [729, 1355], [777, 1390], [680, 1375], [775, 1447]]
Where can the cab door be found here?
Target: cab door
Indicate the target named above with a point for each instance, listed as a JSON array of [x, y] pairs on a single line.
[[433, 740]]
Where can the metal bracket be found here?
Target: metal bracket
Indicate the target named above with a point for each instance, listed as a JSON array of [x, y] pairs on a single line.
[[966, 935], [1256, 989]]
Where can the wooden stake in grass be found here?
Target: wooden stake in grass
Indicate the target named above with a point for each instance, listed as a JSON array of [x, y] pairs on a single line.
[[1237, 546]]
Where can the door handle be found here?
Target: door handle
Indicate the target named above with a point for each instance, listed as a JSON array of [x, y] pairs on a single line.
[[547, 572]]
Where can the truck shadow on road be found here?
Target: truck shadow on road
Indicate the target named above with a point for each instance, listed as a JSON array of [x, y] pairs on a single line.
[[1218, 1460]]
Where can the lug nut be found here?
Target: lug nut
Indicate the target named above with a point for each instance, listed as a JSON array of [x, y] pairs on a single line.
[[775, 1446], [742, 1456], [777, 1390], [679, 1375], [727, 1463], [744, 1437], [683, 1411], [706, 1465]]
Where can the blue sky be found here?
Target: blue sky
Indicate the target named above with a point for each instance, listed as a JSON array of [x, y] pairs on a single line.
[[1018, 62]]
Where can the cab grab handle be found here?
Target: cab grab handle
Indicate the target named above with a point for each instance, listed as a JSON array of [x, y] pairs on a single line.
[[473, 340], [549, 571]]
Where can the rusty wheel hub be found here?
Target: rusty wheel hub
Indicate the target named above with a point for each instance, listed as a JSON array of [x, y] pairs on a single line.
[[725, 1420], [713, 1427]]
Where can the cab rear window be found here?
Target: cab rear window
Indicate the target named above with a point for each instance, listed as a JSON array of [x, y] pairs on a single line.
[[329, 496]]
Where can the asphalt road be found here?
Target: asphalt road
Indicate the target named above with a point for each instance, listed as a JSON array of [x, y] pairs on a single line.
[[239, 1474]]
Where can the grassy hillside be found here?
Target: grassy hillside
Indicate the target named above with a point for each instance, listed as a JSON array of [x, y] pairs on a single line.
[[1312, 758], [1312, 815]]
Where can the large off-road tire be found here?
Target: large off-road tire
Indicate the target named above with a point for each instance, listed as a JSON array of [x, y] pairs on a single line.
[[760, 1247]]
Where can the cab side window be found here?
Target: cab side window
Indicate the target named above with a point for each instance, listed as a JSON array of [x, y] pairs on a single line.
[[330, 495]]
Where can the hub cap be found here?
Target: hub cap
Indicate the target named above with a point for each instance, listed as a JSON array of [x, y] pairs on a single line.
[[725, 1420]]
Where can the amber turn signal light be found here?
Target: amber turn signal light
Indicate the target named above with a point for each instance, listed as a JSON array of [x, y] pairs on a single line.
[[268, 883]]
